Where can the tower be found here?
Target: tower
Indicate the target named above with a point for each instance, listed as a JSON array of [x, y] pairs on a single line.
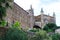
[[31, 16], [48, 17], [53, 14], [54, 17], [42, 18], [31, 10], [42, 11]]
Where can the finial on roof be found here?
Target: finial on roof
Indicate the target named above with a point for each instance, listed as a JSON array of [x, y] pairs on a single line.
[[30, 6], [42, 10], [53, 14]]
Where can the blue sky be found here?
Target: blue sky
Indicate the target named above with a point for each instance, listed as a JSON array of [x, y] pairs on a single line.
[[49, 6]]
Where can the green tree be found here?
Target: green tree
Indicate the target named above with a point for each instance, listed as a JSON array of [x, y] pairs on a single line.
[[3, 23], [41, 35], [34, 30], [15, 34], [16, 25], [56, 36], [4, 4], [50, 27]]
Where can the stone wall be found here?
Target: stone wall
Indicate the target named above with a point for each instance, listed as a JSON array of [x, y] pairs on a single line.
[[17, 14], [20, 15]]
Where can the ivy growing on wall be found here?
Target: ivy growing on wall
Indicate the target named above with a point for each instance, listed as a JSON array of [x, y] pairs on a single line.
[[4, 4]]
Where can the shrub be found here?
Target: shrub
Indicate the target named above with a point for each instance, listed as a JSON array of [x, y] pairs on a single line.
[[50, 27], [15, 34], [34, 30], [41, 35], [56, 36], [3, 23], [16, 25]]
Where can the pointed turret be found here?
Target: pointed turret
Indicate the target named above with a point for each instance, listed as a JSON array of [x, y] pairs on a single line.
[[31, 17], [42, 10], [53, 14], [31, 7], [42, 18], [54, 17]]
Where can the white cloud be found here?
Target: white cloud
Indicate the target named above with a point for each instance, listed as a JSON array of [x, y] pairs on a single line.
[[26, 3], [55, 7]]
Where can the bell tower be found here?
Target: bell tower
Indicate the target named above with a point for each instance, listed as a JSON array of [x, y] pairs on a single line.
[[31, 10], [42, 11], [31, 16], [42, 18], [54, 17]]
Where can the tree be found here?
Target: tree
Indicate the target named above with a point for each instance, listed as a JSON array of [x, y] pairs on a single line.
[[16, 25], [41, 35], [15, 34], [4, 7], [56, 36], [3, 23], [50, 27]]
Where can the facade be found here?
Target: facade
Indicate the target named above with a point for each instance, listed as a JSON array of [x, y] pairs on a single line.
[[26, 17], [43, 19]]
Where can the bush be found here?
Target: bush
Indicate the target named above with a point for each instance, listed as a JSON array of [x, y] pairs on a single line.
[[41, 35], [50, 27], [16, 25], [34, 30], [3, 23], [15, 34], [56, 36]]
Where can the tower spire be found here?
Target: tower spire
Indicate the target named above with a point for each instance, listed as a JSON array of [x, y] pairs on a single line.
[[30, 6], [42, 17], [31, 9], [53, 14], [42, 10], [54, 17]]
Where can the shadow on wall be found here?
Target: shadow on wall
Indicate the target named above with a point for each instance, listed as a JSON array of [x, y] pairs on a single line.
[[36, 26]]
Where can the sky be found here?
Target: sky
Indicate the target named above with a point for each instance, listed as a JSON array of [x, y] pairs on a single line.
[[49, 6]]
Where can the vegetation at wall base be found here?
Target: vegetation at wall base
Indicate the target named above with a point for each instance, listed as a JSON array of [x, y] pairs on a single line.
[[41, 35], [15, 34], [50, 27], [3, 23], [55, 36]]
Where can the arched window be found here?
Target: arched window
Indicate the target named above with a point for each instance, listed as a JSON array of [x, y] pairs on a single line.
[[46, 20]]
